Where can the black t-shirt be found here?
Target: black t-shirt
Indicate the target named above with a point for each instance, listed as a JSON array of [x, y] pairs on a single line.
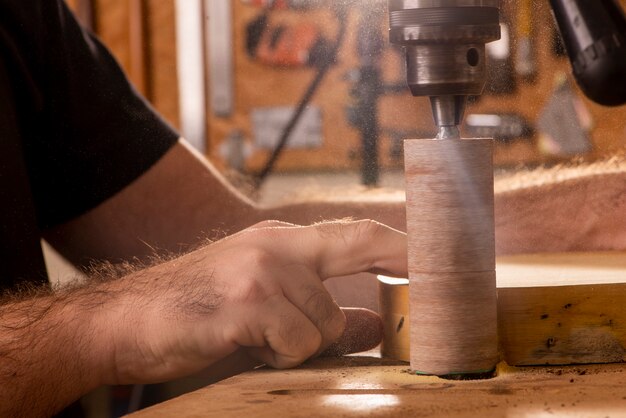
[[73, 132]]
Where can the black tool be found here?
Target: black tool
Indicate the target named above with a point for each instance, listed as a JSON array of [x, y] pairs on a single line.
[[594, 34]]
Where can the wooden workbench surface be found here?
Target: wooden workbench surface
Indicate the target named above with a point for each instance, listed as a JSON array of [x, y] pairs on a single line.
[[374, 387]]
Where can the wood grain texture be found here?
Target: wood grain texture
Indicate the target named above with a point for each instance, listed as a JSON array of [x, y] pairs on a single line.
[[373, 387], [563, 308], [451, 255]]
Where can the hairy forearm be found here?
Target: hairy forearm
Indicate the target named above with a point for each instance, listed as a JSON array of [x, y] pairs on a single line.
[[56, 346], [260, 290], [49, 356]]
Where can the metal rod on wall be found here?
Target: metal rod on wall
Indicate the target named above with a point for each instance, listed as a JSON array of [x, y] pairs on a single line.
[[219, 45]]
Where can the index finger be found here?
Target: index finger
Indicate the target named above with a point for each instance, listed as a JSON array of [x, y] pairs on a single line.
[[347, 247]]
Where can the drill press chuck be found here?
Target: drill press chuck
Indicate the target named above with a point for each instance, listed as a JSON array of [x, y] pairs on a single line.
[[445, 49]]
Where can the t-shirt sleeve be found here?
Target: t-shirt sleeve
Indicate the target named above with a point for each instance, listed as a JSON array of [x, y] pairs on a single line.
[[87, 133]]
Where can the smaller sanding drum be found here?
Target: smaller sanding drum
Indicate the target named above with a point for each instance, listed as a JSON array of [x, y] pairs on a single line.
[[393, 306], [451, 256]]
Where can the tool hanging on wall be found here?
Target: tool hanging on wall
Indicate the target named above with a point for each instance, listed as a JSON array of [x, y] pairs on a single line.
[[323, 66], [564, 123], [525, 65], [503, 127], [558, 49], [303, 45], [286, 45], [221, 66], [366, 89]]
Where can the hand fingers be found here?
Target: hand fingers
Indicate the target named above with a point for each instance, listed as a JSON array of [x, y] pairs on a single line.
[[295, 326], [363, 331], [367, 246], [306, 291], [337, 248], [342, 248], [290, 336]]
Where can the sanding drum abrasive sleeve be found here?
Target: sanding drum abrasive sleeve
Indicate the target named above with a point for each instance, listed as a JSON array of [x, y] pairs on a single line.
[[451, 255]]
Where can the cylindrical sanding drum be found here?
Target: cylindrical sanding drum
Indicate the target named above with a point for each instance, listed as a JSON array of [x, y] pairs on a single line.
[[451, 249]]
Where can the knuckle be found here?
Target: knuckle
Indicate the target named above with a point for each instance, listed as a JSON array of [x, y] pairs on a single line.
[[333, 328], [367, 229], [255, 285], [257, 258], [310, 344], [270, 223], [362, 229], [250, 288], [315, 342], [263, 236], [330, 230], [338, 324], [319, 304], [302, 341], [259, 225], [327, 314], [252, 291]]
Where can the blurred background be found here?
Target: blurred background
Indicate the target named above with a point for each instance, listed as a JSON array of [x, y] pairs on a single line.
[[229, 74]]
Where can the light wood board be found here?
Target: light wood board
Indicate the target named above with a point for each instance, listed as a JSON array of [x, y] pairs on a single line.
[[562, 308], [567, 308]]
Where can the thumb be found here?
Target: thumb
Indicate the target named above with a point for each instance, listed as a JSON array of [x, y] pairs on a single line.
[[364, 331]]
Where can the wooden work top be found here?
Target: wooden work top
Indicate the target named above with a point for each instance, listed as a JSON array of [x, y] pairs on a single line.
[[553, 309], [374, 387]]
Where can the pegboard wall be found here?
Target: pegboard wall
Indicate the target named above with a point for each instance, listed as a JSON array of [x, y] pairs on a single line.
[[260, 86]]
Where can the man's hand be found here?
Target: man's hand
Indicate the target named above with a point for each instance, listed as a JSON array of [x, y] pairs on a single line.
[[255, 295], [260, 290]]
